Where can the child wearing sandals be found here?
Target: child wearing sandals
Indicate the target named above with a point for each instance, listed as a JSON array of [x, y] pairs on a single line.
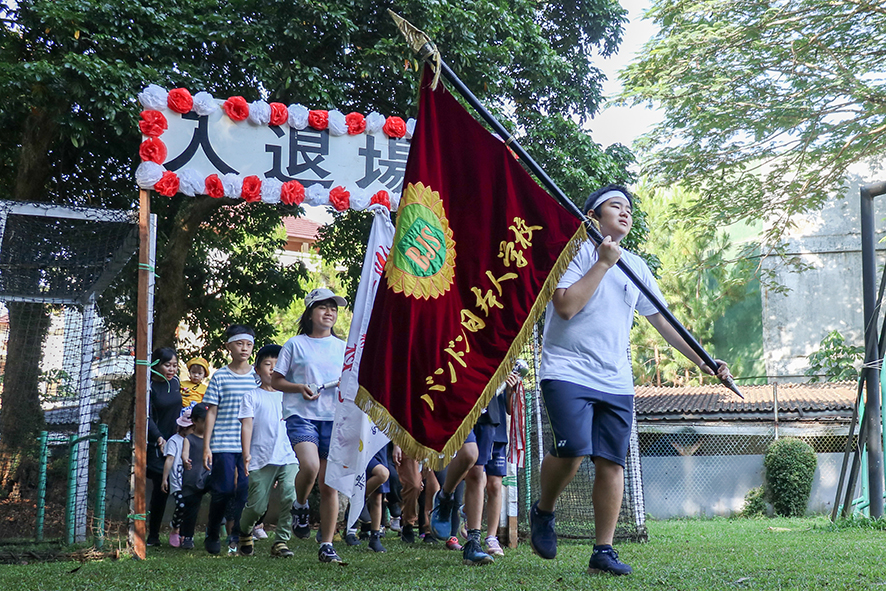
[[268, 457]]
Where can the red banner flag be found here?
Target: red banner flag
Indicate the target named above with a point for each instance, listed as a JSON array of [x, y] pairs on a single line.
[[478, 251]]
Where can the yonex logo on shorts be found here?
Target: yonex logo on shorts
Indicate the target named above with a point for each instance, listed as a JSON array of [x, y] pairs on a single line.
[[561, 443]]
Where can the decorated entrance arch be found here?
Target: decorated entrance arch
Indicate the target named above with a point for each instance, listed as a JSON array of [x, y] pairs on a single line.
[[270, 152]]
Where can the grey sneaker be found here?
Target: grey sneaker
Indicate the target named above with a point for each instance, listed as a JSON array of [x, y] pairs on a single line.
[[605, 560]]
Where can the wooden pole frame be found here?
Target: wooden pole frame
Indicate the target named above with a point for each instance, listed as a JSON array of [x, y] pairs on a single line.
[[147, 231]]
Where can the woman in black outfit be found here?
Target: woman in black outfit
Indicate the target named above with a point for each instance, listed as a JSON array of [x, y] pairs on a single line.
[[165, 407]]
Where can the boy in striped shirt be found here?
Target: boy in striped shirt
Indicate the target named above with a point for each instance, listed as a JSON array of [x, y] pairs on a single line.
[[222, 453]]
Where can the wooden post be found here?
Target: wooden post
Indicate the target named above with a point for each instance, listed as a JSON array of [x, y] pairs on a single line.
[[142, 377]]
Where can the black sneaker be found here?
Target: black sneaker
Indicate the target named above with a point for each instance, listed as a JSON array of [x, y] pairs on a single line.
[[407, 535], [352, 540], [542, 538], [152, 542], [327, 554], [187, 544], [605, 560], [301, 524], [375, 542], [473, 553], [428, 538], [212, 546]]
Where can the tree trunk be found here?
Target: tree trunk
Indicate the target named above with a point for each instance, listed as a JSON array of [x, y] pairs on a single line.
[[170, 302], [21, 417]]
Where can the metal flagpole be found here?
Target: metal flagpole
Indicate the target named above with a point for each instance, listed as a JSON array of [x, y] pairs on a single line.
[[427, 51]]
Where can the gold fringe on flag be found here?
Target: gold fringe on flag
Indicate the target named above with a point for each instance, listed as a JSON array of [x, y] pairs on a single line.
[[439, 459], [420, 43]]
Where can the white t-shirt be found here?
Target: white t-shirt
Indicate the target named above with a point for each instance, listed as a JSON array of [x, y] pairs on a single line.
[[173, 448], [306, 360], [593, 348], [270, 444]]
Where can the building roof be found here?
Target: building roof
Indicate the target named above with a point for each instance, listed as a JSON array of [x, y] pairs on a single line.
[[715, 402], [301, 228]]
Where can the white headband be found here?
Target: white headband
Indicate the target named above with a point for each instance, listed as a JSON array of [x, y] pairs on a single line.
[[243, 336], [606, 197]]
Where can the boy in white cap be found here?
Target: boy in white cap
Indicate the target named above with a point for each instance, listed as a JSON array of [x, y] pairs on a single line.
[[586, 379], [307, 372]]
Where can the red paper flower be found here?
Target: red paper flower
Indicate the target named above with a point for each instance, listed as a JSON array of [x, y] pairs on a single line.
[[356, 123], [214, 187], [153, 150], [237, 108], [319, 120], [180, 100], [381, 198], [394, 127], [340, 198], [153, 123], [292, 193], [251, 189], [168, 184], [279, 114]]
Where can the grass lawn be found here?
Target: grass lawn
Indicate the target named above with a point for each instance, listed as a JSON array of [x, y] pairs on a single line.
[[681, 554]]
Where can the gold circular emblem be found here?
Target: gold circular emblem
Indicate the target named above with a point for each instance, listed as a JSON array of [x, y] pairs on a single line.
[[422, 260]]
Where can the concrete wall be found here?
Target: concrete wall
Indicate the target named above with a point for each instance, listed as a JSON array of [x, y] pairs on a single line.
[[705, 486], [829, 295]]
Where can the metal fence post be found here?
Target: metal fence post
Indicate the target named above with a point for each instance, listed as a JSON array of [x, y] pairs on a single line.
[[72, 490], [41, 487], [98, 526]]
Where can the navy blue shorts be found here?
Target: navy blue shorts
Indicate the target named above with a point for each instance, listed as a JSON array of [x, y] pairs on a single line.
[[498, 463], [587, 422], [301, 430], [380, 459], [228, 475], [485, 434]]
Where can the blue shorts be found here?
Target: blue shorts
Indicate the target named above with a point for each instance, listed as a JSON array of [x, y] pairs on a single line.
[[301, 430], [498, 461], [228, 475], [587, 422], [485, 435], [380, 459]]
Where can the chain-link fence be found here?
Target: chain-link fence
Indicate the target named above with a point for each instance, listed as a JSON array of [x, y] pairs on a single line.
[[67, 412]]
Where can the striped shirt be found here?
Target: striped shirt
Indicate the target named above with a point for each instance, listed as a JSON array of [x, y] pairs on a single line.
[[226, 390]]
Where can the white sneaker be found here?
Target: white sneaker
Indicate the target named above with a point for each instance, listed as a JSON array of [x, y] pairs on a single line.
[[395, 524], [259, 533], [493, 548]]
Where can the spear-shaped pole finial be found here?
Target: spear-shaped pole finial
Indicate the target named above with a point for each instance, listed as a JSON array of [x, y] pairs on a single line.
[[420, 43]]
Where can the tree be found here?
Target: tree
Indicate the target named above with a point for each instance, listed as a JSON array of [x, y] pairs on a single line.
[[70, 71], [697, 280], [767, 104]]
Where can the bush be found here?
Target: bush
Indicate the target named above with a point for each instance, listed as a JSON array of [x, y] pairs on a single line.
[[755, 504], [790, 467]]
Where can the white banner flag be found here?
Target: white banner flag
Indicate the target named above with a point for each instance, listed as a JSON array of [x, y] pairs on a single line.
[[355, 439]]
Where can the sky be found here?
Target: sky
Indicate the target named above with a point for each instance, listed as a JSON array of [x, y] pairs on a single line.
[[624, 124]]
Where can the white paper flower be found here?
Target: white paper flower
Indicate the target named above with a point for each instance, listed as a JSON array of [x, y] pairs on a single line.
[[374, 122], [233, 185], [298, 116], [410, 128], [191, 182], [316, 195], [395, 201], [360, 199], [259, 113], [270, 190], [337, 124], [204, 104], [153, 97], [147, 174]]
